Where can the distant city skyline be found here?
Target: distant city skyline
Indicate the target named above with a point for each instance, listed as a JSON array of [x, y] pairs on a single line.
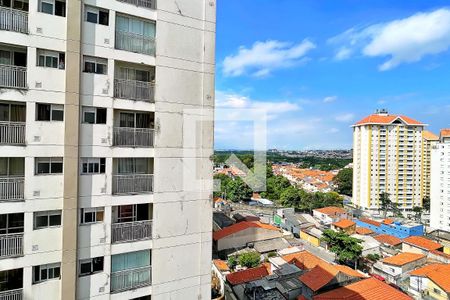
[[324, 66]]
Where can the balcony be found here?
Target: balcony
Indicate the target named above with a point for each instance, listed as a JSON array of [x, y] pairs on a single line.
[[12, 295], [13, 20], [134, 90], [13, 76], [12, 188], [11, 245], [133, 42], [131, 231], [133, 137], [132, 184], [130, 279], [141, 3], [12, 133]]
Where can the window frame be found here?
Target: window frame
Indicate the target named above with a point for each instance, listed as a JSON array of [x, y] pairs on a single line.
[[50, 161], [53, 108], [95, 111], [96, 61], [45, 54], [47, 214], [92, 160], [96, 211], [49, 269], [90, 261], [96, 11], [53, 3]]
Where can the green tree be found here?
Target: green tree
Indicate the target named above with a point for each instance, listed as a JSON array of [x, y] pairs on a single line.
[[275, 185], [426, 203], [224, 179], [386, 203], [236, 190], [249, 259], [344, 181], [291, 197], [417, 213], [346, 248], [232, 262]]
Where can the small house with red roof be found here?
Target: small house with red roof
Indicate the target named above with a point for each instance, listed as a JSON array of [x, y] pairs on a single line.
[[420, 244], [395, 268], [345, 225], [330, 214], [432, 280]]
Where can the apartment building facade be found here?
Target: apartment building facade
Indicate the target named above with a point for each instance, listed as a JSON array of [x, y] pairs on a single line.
[[429, 141], [93, 99], [387, 157], [440, 187]]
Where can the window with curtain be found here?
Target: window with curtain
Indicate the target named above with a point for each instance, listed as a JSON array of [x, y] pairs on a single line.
[[12, 166], [133, 166], [133, 260], [136, 26]]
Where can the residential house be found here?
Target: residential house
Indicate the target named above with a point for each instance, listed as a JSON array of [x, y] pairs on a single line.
[[391, 227], [303, 259], [370, 245], [442, 237], [394, 268], [364, 231], [417, 244], [330, 214], [312, 235], [345, 225], [431, 281], [367, 289], [389, 240], [241, 234]]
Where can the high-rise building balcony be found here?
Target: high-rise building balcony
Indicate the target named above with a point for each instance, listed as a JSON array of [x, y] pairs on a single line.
[[13, 70], [12, 133], [11, 284], [12, 188], [16, 294], [132, 176], [13, 19], [142, 3], [134, 82], [131, 223], [130, 279], [11, 245], [135, 35], [133, 129]]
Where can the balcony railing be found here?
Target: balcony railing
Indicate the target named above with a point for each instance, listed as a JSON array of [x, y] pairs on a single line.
[[134, 90], [131, 231], [130, 279], [142, 3], [132, 184], [12, 133], [11, 188], [13, 20], [13, 76], [133, 137], [12, 295], [11, 245], [133, 42]]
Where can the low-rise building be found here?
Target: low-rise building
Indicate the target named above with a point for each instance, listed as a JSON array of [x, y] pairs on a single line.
[[391, 227], [442, 237], [312, 235], [303, 260], [369, 244], [345, 225], [394, 268], [363, 231], [367, 289], [389, 241], [418, 244], [431, 281], [330, 214]]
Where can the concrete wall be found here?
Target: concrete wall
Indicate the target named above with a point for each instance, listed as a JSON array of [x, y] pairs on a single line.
[[249, 235]]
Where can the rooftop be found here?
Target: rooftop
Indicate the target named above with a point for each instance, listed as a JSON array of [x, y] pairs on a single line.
[[303, 260], [402, 258], [438, 273], [445, 132], [247, 275], [363, 231], [388, 239], [385, 119], [344, 223], [367, 289], [221, 265], [370, 221], [428, 135], [220, 234], [422, 243], [331, 210]]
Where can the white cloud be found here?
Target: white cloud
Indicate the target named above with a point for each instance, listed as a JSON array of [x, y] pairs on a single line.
[[346, 117], [329, 99], [405, 40], [264, 57]]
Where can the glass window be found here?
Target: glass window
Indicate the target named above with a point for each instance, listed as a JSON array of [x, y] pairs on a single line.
[[91, 266], [46, 272], [49, 112], [91, 16], [49, 165], [95, 65], [94, 115], [92, 215], [131, 260], [57, 112], [50, 59], [46, 7], [96, 15], [60, 8], [93, 165]]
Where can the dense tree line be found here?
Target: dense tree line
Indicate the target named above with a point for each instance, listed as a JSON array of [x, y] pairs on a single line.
[[344, 181]]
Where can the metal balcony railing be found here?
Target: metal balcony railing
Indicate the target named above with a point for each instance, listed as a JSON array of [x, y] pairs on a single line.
[[13, 76], [12, 295], [132, 184], [11, 245], [142, 3], [131, 231], [12, 188], [133, 137], [13, 20], [134, 90], [12, 133], [134, 42], [130, 279]]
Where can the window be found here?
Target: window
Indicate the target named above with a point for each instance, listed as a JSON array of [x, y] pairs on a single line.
[[92, 215], [94, 115], [91, 265], [52, 7], [11, 223], [46, 272], [49, 112], [50, 59], [96, 15], [49, 165], [95, 65], [93, 165], [45, 219]]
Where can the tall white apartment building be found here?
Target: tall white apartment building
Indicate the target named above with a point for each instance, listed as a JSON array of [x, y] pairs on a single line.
[[94, 201], [387, 157], [440, 183], [429, 141]]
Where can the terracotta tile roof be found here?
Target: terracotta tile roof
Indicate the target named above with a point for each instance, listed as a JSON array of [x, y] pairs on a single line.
[[440, 253], [438, 273], [445, 132], [221, 265], [402, 258], [363, 231], [371, 222], [303, 260], [331, 210], [368, 289], [248, 275], [301, 297], [422, 243], [344, 223], [388, 239], [386, 119], [388, 221], [239, 227], [321, 275], [428, 135]]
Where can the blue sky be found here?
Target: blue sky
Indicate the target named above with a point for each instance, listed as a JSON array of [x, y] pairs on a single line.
[[318, 66]]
